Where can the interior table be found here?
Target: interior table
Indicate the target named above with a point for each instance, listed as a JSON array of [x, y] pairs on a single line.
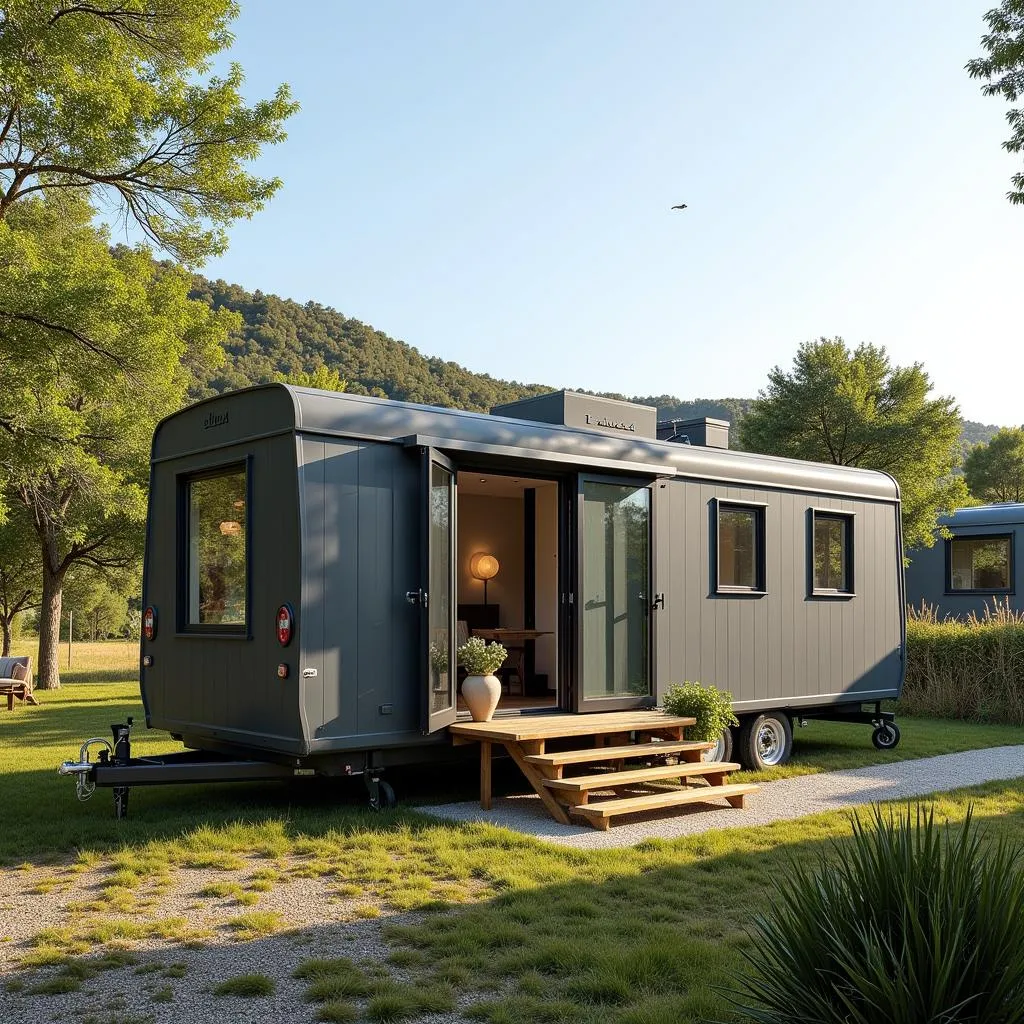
[[514, 641]]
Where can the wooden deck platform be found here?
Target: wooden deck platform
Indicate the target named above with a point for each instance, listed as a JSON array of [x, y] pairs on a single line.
[[650, 737]]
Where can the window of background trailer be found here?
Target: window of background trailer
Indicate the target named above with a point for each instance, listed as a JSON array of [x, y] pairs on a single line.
[[832, 550], [217, 539], [740, 555], [979, 563]]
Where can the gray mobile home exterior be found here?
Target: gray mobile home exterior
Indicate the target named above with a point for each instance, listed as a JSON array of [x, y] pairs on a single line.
[[776, 579], [977, 565]]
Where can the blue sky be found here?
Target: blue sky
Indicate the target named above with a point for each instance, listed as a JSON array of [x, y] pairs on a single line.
[[491, 183]]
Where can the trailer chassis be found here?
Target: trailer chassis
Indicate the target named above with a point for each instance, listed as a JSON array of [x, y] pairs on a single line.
[[116, 769]]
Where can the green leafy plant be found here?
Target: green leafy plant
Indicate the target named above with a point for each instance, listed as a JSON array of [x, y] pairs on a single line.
[[480, 658], [908, 922], [710, 706]]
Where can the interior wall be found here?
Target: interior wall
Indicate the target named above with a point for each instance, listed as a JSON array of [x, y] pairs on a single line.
[[493, 525], [546, 602]]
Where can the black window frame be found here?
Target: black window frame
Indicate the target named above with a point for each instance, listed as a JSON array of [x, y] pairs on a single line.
[[950, 591], [849, 520], [213, 630], [760, 511]]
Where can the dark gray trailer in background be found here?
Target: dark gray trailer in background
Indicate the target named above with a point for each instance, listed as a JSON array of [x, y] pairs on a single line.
[[310, 571], [975, 567]]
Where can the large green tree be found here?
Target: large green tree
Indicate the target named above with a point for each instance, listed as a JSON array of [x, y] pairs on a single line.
[[851, 407], [1003, 72], [21, 572], [96, 345], [995, 471], [114, 100]]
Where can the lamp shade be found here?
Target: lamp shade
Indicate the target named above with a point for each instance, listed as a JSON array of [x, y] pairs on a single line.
[[483, 566]]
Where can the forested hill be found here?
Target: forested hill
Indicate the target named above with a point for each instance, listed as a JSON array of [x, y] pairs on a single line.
[[280, 338]]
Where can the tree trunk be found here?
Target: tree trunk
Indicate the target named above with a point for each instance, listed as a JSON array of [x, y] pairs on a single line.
[[48, 676], [5, 625]]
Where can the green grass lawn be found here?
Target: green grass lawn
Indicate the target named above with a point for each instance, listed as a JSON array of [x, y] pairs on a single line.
[[524, 931]]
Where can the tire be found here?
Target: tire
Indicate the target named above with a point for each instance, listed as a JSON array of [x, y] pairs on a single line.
[[382, 796], [765, 741], [723, 752], [886, 736]]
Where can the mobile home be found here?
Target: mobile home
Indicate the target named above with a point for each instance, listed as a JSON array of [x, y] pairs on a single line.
[[313, 560], [975, 566]]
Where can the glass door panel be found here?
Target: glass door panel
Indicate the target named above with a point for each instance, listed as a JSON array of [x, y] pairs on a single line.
[[438, 597], [614, 589]]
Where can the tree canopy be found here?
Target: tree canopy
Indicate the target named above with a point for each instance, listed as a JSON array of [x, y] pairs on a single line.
[[97, 345], [113, 100], [1003, 72], [995, 471], [853, 408]]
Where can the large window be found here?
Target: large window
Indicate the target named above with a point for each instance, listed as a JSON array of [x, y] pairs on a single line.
[[979, 563], [741, 548], [832, 539], [216, 549]]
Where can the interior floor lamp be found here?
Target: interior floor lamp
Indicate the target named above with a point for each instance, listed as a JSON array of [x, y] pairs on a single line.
[[483, 567]]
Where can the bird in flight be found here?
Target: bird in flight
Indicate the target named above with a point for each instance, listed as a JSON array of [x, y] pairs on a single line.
[[681, 206]]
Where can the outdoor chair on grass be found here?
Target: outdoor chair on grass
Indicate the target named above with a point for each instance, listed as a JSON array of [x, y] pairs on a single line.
[[16, 680]]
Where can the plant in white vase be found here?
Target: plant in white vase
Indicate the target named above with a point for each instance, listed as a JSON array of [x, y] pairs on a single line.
[[481, 688]]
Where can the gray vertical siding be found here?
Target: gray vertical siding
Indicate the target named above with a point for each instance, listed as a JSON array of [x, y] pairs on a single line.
[[360, 555], [786, 646]]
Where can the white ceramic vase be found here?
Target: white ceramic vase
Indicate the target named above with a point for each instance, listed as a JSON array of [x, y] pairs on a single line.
[[481, 694]]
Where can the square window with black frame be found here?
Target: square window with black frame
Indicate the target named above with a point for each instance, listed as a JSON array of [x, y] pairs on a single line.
[[740, 554], [217, 539], [832, 550], [979, 563]]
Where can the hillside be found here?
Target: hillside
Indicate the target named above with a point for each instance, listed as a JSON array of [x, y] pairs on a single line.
[[280, 338]]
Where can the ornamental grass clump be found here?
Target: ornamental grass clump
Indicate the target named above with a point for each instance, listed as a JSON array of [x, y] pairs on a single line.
[[909, 922], [710, 706], [480, 658]]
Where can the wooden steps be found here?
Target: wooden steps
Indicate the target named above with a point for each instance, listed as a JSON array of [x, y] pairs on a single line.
[[600, 814], [656, 735], [660, 773]]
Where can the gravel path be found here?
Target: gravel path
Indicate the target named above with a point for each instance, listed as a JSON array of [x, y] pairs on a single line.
[[774, 801]]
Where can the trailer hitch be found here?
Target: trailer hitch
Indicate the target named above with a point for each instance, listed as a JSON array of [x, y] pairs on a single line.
[[82, 769]]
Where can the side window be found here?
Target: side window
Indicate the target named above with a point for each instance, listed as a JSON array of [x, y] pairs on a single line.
[[979, 563], [740, 548], [832, 547], [215, 549]]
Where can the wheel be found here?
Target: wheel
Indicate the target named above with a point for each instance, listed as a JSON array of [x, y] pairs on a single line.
[[765, 741], [120, 801], [722, 751], [886, 736], [382, 796]]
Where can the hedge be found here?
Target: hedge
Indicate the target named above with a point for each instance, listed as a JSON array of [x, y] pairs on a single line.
[[969, 669]]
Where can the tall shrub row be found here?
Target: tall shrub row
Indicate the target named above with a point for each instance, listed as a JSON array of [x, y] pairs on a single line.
[[971, 669]]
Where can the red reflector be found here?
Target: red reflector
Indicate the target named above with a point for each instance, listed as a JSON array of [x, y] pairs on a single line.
[[285, 625], [149, 623]]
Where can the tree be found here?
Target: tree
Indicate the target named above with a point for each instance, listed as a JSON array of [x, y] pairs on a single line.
[[1003, 71], [21, 571], [95, 347], [852, 408], [112, 100], [322, 379], [995, 471]]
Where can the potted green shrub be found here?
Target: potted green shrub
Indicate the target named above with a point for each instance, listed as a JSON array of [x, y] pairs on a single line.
[[481, 688]]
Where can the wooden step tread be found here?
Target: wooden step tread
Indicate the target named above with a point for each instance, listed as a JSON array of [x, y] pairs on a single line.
[[629, 750], [516, 728], [611, 780], [605, 809]]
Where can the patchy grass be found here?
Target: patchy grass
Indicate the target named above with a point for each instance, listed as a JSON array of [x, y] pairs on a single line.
[[248, 986], [256, 925]]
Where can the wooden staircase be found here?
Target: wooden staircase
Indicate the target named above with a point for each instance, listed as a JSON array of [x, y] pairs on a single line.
[[576, 782]]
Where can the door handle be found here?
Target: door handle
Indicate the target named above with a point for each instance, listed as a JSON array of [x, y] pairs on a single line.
[[417, 597], [659, 602]]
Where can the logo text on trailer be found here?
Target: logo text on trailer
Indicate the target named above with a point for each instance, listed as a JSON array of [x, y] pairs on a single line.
[[215, 419]]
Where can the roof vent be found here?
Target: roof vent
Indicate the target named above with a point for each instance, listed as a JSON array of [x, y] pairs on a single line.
[[702, 430], [590, 412]]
